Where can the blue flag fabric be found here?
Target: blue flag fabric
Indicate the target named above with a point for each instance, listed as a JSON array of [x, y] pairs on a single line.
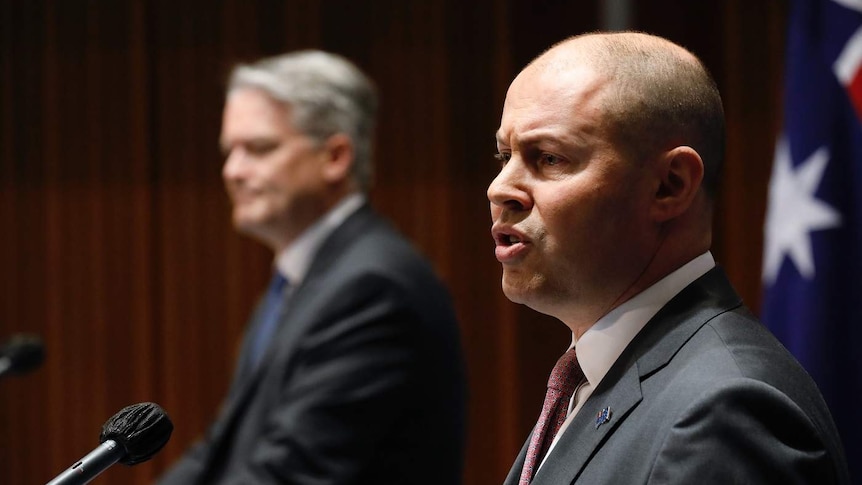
[[813, 234]]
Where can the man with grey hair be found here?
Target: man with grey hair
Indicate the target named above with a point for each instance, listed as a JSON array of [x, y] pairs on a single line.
[[351, 368], [610, 147]]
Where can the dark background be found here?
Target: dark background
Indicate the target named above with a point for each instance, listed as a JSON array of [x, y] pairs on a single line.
[[115, 238]]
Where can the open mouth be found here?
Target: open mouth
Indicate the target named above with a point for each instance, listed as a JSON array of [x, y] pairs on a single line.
[[504, 238], [509, 246], [509, 239]]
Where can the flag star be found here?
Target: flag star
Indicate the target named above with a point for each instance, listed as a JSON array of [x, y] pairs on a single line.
[[851, 4], [794, 212]]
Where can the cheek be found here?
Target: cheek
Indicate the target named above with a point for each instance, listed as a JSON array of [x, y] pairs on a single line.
[[582, 224], [278, 182], [571, 214], [277, 178], [619, 225]]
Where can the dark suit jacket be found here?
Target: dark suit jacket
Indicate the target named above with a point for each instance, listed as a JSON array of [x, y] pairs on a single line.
[[703, 394], [363, 383]]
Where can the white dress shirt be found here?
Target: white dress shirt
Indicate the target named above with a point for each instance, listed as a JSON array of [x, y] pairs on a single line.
[[601, 345], [294, 260]]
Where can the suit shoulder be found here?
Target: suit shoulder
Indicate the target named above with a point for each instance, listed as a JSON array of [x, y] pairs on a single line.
[[383, 251], [754, 350]]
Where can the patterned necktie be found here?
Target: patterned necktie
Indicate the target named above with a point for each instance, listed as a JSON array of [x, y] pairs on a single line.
[[565, 378], [268, 319]]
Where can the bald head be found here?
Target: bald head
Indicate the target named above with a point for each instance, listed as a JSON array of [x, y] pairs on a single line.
[[658, 95], [610, 146]]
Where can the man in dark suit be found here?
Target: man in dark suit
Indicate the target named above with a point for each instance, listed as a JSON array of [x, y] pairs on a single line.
[[351, 369], [610, 147]]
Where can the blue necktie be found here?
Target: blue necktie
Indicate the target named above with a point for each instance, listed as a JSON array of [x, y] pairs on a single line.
[[268, 320]]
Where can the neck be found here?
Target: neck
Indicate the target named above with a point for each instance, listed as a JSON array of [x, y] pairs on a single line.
[[674, 248]]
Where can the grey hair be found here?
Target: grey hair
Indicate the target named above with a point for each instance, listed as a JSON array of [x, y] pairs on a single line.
[[326, 94]]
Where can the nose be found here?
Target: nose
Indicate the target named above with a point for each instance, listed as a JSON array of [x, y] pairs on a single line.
[[510, 188], [233, 165]]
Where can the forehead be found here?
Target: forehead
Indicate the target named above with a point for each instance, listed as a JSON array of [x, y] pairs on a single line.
[[250, 112], [554, 101]]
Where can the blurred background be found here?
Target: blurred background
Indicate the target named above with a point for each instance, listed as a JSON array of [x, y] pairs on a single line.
[[115, 238]]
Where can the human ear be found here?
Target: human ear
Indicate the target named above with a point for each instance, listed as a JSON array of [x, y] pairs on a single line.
[[338, 156], [680, 174]]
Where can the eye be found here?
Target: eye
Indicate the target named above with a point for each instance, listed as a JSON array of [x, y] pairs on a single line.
[[261, 147], [549, 160], [503, 157]]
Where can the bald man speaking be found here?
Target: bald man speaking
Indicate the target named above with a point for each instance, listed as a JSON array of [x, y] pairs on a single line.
[[610, 148]]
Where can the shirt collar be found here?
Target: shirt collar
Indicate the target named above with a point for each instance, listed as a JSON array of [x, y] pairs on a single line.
[[601, 345], [294, 260]]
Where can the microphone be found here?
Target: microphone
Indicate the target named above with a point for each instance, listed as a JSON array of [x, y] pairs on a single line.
[[131, 436], [21, 354]]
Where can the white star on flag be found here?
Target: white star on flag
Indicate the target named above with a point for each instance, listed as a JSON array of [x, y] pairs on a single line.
[[794, 212], [851, 4]]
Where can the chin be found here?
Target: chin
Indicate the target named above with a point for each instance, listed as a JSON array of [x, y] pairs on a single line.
[[245, 223], [514, 292]]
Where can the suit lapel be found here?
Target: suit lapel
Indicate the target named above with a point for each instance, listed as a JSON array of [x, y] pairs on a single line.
[[300, 311], [583, 438], [330, 249], [246, 382], [620, 389], [515, 472]]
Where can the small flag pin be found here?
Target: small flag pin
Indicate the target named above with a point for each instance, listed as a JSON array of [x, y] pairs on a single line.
[[603, 416]]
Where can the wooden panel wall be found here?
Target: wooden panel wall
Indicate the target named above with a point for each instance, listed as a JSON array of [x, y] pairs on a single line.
[[115, 240]]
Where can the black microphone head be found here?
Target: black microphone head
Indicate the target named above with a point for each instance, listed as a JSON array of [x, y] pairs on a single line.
[[142, 429], [24, 353]]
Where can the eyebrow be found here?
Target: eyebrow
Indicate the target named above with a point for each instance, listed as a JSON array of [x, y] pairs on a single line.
[[530, 138]]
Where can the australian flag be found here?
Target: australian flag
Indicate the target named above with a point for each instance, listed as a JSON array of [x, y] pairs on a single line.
[[812, 270]]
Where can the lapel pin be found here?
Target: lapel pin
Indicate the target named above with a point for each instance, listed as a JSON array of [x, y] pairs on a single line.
[[603, 416]]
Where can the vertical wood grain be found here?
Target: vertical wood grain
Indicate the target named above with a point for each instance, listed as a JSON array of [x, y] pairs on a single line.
[[115, 237]]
